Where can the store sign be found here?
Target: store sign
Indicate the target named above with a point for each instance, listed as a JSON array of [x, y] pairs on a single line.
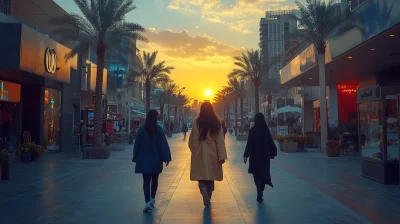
[[369, 94], [50, 60], [283, 130], [348, 88]]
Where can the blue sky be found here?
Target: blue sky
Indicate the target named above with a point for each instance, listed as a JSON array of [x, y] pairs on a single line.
[[199, 37]]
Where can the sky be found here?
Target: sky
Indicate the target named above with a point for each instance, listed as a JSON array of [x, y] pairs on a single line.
[[199, 37]]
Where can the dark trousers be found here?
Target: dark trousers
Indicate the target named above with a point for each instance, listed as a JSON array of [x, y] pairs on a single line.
[[150, 191], [208, 185], [184, 135], [260, 182]]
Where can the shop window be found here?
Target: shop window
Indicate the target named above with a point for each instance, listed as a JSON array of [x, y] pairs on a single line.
[[371, 130], [392, 130], [52, 118], [5, 6]]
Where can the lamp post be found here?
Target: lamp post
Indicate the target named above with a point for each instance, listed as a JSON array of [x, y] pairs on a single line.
[[179, 94]]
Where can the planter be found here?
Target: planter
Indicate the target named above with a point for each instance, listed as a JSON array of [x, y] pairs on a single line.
[[242, 137], [333, 151], [300, 146], [281, 146], [290, 147], [25, 157], [5, 171], [34, 157]]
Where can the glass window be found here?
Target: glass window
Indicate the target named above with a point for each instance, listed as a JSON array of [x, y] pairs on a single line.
[[371, 130], [392, 130], [52, 117]]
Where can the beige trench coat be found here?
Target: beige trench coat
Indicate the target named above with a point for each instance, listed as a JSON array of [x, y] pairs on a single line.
[[206, 155]]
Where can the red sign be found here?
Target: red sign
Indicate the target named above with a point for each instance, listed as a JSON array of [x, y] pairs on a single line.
[[348, 88]]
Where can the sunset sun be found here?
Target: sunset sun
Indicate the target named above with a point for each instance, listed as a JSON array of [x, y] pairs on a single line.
[[208, 92]]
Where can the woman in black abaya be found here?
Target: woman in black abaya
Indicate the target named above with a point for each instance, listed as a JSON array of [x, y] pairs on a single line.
[[260, 149]]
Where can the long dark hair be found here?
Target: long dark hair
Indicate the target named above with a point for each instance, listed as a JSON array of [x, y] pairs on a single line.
[[208, 121], [151, 123]]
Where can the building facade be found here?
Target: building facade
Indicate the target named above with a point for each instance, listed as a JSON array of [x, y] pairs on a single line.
[[41, 93], [363, 86]]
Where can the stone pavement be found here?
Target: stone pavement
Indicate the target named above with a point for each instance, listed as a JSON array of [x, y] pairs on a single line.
[[308, 189]]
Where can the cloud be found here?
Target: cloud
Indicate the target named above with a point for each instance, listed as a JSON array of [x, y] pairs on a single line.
[[182, 45], [241, 15]]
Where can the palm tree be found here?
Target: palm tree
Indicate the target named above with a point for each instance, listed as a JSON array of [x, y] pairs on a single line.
[[170, 89], [160, 100], [183, 101], [154, 74], [322, 22], [237, 91], [101, 26], [224, 97], [250, 66]]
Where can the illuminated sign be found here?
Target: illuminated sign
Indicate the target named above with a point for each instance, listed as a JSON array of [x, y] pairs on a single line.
[[50, 60], [348, 88]]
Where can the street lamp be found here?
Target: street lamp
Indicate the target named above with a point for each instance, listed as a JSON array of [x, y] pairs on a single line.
[[179, 94]]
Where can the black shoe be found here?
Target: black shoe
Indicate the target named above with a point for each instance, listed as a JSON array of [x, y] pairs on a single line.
[[260, 196]]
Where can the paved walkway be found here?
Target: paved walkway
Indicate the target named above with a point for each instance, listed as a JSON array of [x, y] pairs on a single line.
[[308, 189]]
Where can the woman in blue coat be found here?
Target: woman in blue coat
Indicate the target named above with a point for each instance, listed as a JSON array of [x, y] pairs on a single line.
[[150, 151]]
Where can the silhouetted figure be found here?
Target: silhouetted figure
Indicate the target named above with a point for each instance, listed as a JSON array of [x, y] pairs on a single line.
[[150, 151], [185, 129], [207, 145], [260, 148]]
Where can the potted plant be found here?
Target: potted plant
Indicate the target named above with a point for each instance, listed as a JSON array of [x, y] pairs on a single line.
[[4, 165], [301, 141], [24, 153], [332, 148], [36, 150], [290, 143]]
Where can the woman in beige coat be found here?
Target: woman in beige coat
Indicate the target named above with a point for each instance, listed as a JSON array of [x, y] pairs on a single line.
[[207, 144]]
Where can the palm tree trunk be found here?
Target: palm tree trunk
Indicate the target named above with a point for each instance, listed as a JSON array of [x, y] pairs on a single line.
[[162, 112], [256, 97], [269, 99], [241, 112], [323, 104], [236, 115], [228, 114], [175, 117], [168, 120], [148, 88], [98, 111]]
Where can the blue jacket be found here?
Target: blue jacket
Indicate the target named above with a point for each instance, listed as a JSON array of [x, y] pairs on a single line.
[[149, 153]]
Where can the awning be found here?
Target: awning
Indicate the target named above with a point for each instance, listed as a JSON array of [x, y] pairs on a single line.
[[287, 109], [372, 56]]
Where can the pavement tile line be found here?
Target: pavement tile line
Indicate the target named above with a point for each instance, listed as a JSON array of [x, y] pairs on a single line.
[[245, 211], [345, 203], [165, 201]]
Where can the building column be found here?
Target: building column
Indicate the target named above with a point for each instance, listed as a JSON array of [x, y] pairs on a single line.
[[333, 105]]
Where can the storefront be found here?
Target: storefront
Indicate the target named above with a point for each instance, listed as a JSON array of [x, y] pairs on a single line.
[[33, 78], [379, 133]]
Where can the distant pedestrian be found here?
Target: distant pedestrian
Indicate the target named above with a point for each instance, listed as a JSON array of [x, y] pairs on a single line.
[[260, 148], [224, 128], [207, 145], [185, 129], [150, 151], [171, 126]]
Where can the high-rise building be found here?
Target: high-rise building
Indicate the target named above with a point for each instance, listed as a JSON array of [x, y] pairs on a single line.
[[274, 37]]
